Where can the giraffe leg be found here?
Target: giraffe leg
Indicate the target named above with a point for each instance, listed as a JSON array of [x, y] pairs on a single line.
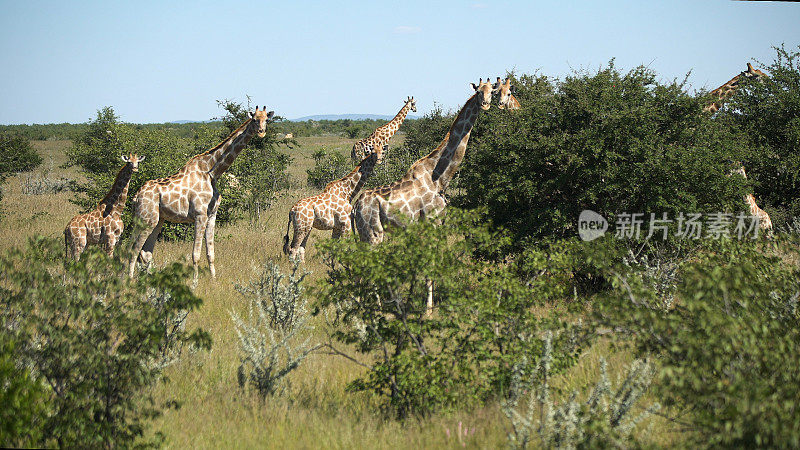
[[199, 230], [78, 244], [299, 241], [429, 304], [212, 221], [109, 243], [146, 254], [139, 241]]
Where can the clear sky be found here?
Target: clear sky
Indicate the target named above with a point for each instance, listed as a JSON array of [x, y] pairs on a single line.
[[157, 61]]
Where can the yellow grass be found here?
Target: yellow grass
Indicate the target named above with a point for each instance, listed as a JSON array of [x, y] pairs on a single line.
[[316, 412]]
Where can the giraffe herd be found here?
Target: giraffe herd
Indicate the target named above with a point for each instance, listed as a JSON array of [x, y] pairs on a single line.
[[191, 195]]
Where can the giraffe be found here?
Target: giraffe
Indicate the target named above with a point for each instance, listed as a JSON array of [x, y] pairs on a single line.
[[191, 195], [330, 209], [764, 222], [507, 99], [418, 194], [380, 137], [103, 225], [721, 94]]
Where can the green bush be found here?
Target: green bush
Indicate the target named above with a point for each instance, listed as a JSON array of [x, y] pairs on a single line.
[[767, 112], [604, 141], [96, 339], [328, 166], [463, 353], [24, 399], [729, 347], [16, 154]]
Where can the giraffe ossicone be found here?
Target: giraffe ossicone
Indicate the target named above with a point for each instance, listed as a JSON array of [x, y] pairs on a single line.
[[381, 136], [103, 225], [190, 196]]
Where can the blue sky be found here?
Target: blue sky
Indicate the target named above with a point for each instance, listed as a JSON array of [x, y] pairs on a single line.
[[157, 61]]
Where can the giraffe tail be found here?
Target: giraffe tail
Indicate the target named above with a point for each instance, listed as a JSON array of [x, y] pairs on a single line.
[[353, 221], [66, 243], [286, 237]]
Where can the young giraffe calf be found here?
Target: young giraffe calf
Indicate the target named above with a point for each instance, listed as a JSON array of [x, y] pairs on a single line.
[[103, 225], [330, 209]]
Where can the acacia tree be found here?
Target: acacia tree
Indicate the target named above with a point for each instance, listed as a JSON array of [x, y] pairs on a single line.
[[767, 112], [607, 141]]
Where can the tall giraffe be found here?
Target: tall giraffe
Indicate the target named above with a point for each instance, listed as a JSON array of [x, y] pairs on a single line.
[[418, 193], [191, 195], [764, 222], [103, 225], [721, 94], [330, 209], [380, 137], [506, 97]]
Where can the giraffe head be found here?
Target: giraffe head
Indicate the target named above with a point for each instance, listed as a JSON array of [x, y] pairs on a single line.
[[262, 117], [504, 89], [413, 102], [485, 90], [752, 73], [133, 159]]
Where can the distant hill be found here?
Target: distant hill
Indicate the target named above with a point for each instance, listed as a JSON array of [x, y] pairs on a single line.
[[347, 116], [187, 121]]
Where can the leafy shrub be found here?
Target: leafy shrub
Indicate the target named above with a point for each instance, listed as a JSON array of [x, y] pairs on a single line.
[[605, 141], [24, 399], [274, 339], [16, 154], [328, 166], [93, 338], [729, 347], [767, 112], [602, 421], [462, 354]]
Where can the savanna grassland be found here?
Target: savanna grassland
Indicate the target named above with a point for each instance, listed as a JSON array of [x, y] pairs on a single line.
[[538, 338], [316, 411]]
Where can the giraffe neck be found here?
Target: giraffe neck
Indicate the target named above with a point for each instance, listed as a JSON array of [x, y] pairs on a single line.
[[219, 159], [751, 203], [352, 183], [114, 201], [391, 128], [721, 94], [452, 153]]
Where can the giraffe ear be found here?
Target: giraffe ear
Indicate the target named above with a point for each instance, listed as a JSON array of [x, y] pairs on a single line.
[[141, 158], [475, 88], [125, 158], [269, 114], [252, 115]]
